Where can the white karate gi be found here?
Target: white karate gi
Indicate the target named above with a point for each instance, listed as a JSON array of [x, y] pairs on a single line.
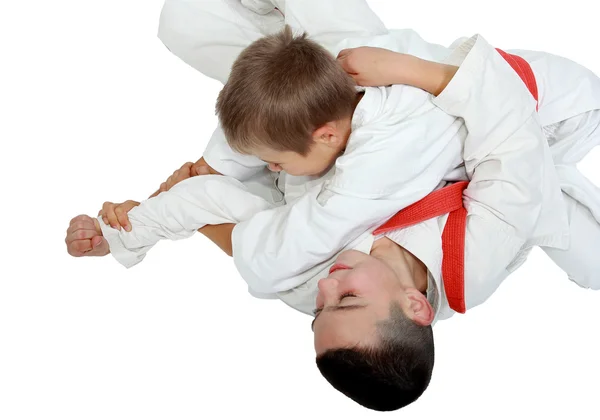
[[401, 148], [502, 199]]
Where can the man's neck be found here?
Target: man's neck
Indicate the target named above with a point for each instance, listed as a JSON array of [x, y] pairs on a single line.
[[410, 271]]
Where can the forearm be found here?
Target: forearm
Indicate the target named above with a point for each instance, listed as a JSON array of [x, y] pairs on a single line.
[[180, 212], [429, 76], [220, 235]]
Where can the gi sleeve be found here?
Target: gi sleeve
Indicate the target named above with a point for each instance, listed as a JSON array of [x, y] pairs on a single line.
[[178, 213], [208, 35], [228, 162], [332, 21]]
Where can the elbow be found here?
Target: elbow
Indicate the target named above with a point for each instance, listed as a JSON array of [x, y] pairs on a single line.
[[228, 251], [527, 223]]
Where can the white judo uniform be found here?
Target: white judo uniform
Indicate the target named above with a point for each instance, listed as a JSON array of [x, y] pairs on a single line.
[[510, 210]]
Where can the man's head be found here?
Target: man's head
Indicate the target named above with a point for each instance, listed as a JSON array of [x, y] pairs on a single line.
[[288, 102], [372, 328]]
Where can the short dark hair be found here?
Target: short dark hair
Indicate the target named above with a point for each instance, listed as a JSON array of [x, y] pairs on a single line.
[[281, 88], [389, 376]]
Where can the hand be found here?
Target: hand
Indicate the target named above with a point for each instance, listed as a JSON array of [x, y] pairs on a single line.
[[179, 175], [115, 214], [84, 238], [370, 66], [203, 168], [186, 171]]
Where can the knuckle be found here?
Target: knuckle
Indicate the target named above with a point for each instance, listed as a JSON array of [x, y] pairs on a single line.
[[76, 218], [80, 234]]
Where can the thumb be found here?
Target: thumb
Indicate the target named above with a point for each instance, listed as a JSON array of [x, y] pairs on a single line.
[[97, 241], [202, 170], [343, 61], [343, 54]]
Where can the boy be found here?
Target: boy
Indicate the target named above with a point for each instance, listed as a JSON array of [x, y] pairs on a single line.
[[372, 180]]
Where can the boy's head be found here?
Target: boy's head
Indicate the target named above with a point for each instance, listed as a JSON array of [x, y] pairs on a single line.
[[289, 102], [373, 335]]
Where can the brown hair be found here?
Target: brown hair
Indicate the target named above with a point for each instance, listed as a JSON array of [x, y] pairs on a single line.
[[281, 89]]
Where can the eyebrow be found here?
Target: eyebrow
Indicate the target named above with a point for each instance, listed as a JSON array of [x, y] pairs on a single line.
[[335, 309]]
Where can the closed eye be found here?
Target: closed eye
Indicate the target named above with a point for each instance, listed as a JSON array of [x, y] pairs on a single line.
[[317, 311], [342, 297]]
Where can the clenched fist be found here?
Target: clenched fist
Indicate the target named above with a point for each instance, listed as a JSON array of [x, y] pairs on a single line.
[[84, 238]]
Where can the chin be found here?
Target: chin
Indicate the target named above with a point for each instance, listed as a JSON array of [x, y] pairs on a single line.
[[351, 257], [314, 173], [325, 171], [346, 257]]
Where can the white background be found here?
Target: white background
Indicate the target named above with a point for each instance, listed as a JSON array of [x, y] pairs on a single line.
[[94, 108]]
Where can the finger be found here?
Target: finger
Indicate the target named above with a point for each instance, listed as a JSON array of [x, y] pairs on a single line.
[[102, 214], [78, 218], [344, 53], [169, 182], [344, 60], [163, 187], [81, 224], [121, 213], [108, 206], [79, 248], [201, 170], [109, 217], [81, 234], [129, 204], [186, 171], [100, 247], [96, 241], [113, 219]]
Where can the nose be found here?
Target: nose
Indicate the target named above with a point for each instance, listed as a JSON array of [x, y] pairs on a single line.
[[327, 291], [274, 167]]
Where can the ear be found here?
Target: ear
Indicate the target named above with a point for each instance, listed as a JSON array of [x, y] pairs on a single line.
[[327, 134], [419, 310]]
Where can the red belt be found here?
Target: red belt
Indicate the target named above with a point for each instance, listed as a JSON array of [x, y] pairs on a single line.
[[449, 200]]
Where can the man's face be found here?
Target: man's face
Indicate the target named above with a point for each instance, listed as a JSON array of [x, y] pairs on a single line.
[[351, 301]]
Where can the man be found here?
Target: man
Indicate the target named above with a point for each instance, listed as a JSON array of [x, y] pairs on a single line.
[[491, 217]]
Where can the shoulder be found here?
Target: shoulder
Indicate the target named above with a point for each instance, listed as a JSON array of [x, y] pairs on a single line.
[[396, 132]]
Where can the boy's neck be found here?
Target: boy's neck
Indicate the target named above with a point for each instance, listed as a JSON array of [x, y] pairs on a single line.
[[348, 121], [359, 97]]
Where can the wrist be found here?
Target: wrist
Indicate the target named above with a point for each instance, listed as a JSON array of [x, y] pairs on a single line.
[[406, 70]]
